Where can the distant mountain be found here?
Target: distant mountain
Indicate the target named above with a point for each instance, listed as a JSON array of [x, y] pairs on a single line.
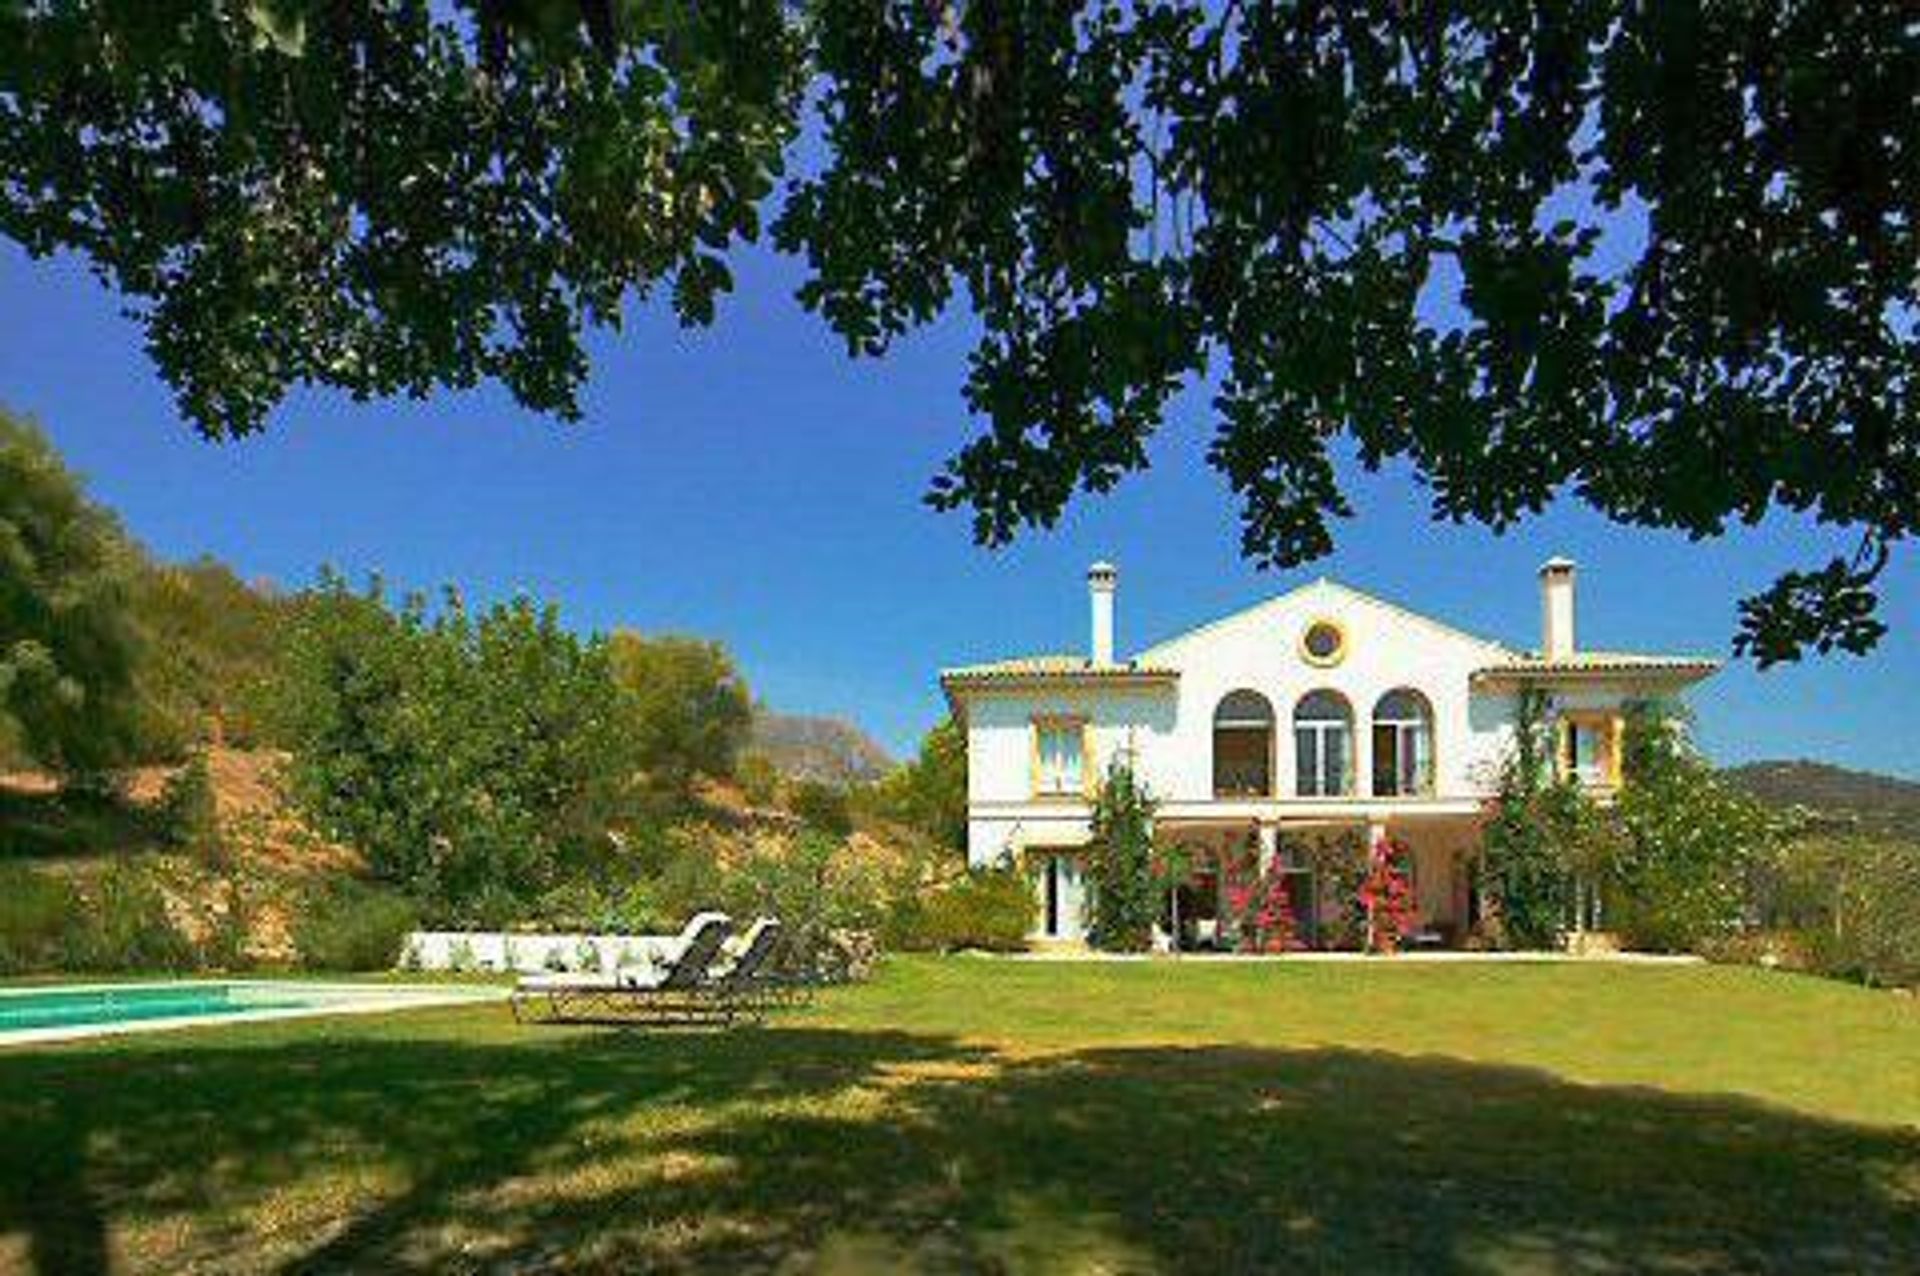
[[813, 748], [1860, 797]]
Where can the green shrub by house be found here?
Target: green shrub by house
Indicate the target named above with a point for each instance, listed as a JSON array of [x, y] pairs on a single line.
[[1125, 900], [990, 909], [1677, 881], [1542, 829]]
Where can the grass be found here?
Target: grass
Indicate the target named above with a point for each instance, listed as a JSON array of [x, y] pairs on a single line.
[[968, 1115]]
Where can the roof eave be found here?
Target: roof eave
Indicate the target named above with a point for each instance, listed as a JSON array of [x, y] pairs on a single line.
[[1673, 674], [956, 681]]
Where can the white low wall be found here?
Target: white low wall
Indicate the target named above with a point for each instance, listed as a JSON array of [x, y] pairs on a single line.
[[530, 954]]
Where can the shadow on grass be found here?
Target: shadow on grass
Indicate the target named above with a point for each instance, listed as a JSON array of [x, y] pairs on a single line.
[[819, 1149]]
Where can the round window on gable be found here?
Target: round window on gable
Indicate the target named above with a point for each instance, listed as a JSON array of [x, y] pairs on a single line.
[[1324, 643]]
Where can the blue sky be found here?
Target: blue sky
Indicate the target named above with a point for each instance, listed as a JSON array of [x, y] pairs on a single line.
[[753, 483]]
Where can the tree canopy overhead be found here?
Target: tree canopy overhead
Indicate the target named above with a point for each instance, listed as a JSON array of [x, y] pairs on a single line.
[[1660, 256]]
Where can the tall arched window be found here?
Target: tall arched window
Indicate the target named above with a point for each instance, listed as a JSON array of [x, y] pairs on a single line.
[[1323, 745], [1243, 746], [1402, 744]]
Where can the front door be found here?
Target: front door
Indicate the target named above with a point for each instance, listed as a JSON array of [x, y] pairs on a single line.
[[1063, 895]]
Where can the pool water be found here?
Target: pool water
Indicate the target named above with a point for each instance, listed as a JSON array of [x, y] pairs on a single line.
[[41, 1014], [64, 1007]]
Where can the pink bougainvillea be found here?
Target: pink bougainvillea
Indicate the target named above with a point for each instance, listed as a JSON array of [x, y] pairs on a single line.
[[1260, 903], [1387, 896]]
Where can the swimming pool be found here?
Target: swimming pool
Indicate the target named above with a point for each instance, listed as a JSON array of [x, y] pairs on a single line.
[[70, 1011]]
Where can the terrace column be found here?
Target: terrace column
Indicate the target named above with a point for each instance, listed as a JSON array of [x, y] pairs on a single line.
[[1269, 846]]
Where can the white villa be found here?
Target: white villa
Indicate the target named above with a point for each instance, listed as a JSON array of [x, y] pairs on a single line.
[[1324, 710]]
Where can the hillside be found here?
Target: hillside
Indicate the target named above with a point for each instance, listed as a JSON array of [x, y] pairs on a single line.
[[1871, 800], [831, 750], [266, 852]]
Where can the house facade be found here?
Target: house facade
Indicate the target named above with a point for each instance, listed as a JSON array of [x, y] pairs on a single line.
[[1324, 715]]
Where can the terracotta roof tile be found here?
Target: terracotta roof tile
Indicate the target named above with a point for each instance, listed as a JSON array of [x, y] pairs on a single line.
[[1600, 662], [1051, 665]]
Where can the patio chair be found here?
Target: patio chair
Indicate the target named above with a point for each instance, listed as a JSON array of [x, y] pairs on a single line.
[[629, 994]]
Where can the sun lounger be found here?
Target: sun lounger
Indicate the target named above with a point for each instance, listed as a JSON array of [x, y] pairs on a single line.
[[674, 992], [745, 983]]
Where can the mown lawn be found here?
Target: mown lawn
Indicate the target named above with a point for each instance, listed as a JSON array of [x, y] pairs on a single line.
[[967, 1115]]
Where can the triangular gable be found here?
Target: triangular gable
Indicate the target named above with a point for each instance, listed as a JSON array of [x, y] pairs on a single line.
[[1323, 585]]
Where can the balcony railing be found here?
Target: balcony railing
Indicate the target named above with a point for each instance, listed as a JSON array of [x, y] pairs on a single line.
[[1396, 782], [1242, 781]]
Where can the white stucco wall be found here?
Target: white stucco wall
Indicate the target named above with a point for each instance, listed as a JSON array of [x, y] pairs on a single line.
[[1006, 815], [1169, 728], [1386, 648]]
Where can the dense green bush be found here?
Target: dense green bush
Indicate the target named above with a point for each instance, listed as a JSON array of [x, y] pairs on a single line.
[[1543, 831], [759, 779], [1678, 878], [39, 917], [187, 817], [353, 926], [928, 794], [822, 807], [814, 883], [118, 921], [689, 710], [684, 877], [128, 926], [630, 907], [990, 909], [1853, 902], [68, 644], [475, 760], [1125, 899]]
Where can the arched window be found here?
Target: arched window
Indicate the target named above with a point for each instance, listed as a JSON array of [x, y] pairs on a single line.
[[1243, 746], [1323, 745], [1402, 744]]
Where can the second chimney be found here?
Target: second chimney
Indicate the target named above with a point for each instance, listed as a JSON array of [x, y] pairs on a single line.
[[1556, 608], [1101, 579]]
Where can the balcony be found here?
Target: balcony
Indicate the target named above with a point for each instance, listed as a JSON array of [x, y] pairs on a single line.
[[1245, 779]]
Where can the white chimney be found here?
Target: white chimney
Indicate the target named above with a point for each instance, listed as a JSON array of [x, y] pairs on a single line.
[[1556, 608], [1101, 579]]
